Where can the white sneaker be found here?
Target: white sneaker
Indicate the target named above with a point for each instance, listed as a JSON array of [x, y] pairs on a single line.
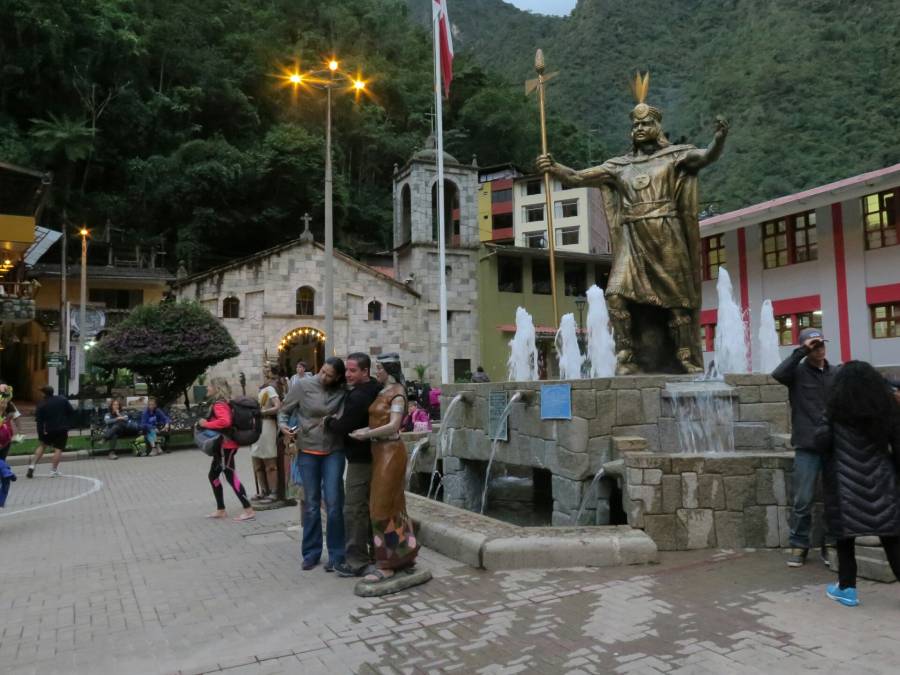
[[54, 473]]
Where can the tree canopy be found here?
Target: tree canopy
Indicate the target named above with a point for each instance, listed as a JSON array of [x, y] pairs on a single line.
[[169, 343]]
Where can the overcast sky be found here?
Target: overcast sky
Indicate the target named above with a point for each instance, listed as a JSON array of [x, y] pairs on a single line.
[[560, 7]]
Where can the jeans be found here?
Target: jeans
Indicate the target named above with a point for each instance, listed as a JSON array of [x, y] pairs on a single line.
[[807, 465], [357, 523], [323, 477]]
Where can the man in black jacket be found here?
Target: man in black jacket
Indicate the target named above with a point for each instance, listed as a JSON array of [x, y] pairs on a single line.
[[357, 523], [807, 375], [53, 418]]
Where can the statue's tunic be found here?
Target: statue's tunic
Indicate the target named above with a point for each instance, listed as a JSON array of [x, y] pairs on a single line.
[[653, 257]]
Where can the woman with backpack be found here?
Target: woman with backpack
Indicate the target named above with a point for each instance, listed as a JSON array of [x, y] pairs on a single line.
[[220, 420], [860, 440], [321, 459]]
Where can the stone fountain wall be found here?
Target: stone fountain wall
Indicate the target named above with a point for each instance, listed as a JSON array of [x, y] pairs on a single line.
[[602, 411]]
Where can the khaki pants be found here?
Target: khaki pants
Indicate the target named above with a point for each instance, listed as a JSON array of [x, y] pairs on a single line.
[[357, 523]]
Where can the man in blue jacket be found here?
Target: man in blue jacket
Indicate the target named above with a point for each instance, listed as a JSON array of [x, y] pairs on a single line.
[[808, 376]]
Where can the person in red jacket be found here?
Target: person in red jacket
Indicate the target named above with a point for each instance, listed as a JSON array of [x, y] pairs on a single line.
[[223, 460]]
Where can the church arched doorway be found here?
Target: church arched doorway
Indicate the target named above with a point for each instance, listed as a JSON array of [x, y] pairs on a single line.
[[302, 344]]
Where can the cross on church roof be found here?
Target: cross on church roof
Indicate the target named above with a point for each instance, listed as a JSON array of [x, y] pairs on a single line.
[[306, 236]]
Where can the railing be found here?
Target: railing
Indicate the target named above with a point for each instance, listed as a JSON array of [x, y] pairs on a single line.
[[16, 289], [16, 304]]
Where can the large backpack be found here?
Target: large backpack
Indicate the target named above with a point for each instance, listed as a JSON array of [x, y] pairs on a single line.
[[246, 420]]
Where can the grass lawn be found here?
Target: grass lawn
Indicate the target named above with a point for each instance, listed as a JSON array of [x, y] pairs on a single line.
[[27, 447]]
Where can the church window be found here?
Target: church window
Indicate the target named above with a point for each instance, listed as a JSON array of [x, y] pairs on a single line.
[[231, 308], [881, 215], [306, 301], [374, 311]]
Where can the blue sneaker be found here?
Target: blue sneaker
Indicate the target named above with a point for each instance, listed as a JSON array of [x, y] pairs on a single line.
[[846, 596]]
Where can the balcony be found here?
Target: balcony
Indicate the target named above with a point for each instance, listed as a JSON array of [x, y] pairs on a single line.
[[16, 302]]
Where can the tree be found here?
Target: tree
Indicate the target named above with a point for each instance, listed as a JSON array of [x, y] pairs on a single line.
[[170, 344]]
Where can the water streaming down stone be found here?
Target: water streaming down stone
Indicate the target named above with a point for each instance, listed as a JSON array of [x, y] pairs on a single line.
[[487, 472], [769, 353], [523, 356], [442, 435], [731, 330], [413, 456], [704, 414], [570, 357], [601, 350], [587, 494]]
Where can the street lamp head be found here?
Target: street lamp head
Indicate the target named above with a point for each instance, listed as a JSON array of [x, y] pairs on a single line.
[[83, 232], [359, 85], [580, 302], [332, 65], [295, 78]]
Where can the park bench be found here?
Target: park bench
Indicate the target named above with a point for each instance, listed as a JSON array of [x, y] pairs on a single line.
[[180, 431]]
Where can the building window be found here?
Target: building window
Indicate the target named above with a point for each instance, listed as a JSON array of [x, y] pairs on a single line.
[[231, 308], [509, 275], [575, 278], [306, 301], [885, 320], [540, 276], [566, 209], [790, 240], [535, 239], [534, 187], [502, 221], [713, 249], [374, 311], [534, 213], [567, 236], [601, 276], [880, 214], [708, 336], [462, 370], [788, 326], [501, 196], [116, 298]]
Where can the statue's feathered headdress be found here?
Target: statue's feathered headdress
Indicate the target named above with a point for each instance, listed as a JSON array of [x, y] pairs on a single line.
[[640, 87]]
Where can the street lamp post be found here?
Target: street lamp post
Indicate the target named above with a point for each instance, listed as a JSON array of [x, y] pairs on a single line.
[[328, 79], [82, 328]]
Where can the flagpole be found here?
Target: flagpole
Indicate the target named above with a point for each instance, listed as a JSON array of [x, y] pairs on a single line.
[[442, 252]]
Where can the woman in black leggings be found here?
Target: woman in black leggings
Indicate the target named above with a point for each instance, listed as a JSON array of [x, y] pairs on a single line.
[[861, 443]]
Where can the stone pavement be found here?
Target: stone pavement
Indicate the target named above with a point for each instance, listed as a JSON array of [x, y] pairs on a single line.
[[132, 579]]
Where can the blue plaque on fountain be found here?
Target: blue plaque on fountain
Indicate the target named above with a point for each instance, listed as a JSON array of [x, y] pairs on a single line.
[[556, 401]]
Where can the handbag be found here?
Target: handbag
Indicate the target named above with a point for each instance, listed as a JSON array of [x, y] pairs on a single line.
[[207, 440]]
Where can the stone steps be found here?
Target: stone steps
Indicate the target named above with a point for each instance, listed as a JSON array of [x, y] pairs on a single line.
[[871, 563]]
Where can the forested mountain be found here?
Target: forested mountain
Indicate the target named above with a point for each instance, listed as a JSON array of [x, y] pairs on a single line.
[[810, 86], [170, 118]]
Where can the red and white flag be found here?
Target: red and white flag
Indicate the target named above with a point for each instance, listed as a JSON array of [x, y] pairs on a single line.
[[439, 14]]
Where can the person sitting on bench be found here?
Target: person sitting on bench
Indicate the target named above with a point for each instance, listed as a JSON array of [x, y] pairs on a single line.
[[117, 426], [154, 421]]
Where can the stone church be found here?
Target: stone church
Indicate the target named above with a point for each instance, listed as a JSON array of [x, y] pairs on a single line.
[[272, 302]]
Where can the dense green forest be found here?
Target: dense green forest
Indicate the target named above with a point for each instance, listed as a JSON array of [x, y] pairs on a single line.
[[809, 86], [169, 119]]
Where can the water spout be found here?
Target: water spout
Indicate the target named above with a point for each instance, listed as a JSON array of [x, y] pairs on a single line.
[[601, 350], [487, 474], [439, 451], [731, 330], [413, 456], [523, 356], [570, 358], [769, 354], [584, 499]]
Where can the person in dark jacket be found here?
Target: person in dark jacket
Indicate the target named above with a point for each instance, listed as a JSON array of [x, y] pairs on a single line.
[[860, 443], [53, 418], [357, 523], [807, 375]]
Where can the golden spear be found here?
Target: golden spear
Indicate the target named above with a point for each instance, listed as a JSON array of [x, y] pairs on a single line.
[[530, 86]]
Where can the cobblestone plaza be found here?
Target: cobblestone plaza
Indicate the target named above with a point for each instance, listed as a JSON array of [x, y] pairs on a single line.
[[127, 576]]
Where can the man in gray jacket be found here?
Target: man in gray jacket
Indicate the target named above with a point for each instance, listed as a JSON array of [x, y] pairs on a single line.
[[807, 375]]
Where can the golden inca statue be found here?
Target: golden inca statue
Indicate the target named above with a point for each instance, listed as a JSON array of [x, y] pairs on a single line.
[[650, 197]]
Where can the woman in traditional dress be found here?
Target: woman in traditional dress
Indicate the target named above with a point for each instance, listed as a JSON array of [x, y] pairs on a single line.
[[265, 451], [395, 542]]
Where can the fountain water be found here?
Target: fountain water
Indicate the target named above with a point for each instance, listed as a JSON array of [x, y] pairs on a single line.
[[413, 456], [587, 494], [570, 357], [503, 417], [601, 350], [523, 356], [769, 355], [704, 415], [442, 434], [731, 330]]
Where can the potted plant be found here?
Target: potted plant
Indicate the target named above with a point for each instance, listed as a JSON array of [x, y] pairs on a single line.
[[200, 389], [420, 369]]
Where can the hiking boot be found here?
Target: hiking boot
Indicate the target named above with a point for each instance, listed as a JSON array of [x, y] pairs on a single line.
[[797, 557], [845, 596]]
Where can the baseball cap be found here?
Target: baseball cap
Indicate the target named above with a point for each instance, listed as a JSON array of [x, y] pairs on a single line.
[[811, 333]]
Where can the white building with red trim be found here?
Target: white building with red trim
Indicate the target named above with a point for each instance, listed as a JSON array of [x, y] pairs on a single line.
[[826, 257]]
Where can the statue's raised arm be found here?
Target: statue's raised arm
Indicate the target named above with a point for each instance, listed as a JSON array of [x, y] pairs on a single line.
[[696, 159], [591, 177]]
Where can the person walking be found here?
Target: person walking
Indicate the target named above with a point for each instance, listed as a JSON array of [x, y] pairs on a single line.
[[265, 451], [52, 417], [807, 375], [223, 461], [860, 445], [321, 460], [357, 524], [7, 430]]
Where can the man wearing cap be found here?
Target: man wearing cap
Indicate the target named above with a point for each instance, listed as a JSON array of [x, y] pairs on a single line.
[[807, 375]]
